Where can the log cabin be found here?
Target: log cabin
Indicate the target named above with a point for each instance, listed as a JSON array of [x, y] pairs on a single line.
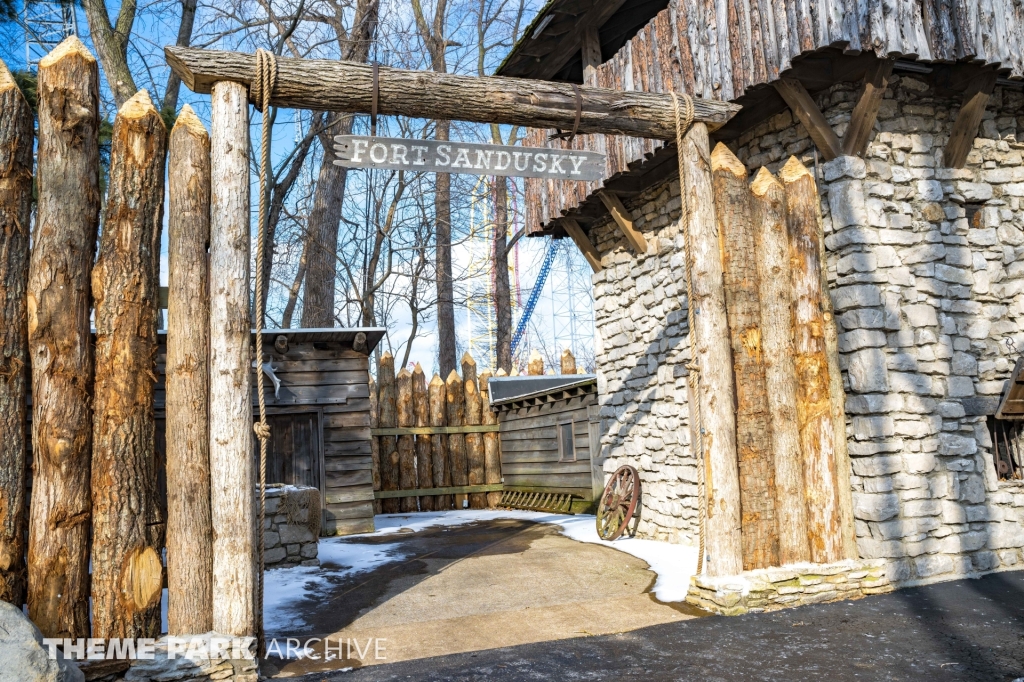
[[909, 117]]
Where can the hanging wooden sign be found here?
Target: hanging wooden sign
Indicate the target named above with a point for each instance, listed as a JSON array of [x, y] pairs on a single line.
[[360, 151]]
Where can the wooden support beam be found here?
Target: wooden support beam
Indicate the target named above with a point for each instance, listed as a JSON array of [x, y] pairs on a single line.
[[232, 469], [590, 252], [590, 50], [624, 220], [709, 343], [348, 87], [965, 128], [862, 121], [590, 20], [804, 108]]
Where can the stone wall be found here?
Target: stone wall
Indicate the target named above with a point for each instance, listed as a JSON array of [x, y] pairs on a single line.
[[292, 526]]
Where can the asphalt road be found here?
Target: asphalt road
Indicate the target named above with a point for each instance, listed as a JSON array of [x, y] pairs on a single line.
[[963, 630]]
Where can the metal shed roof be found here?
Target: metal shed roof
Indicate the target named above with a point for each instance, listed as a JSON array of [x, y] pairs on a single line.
[[508, 389]]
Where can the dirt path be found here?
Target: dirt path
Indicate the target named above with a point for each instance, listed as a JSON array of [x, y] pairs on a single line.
[[475, 587]]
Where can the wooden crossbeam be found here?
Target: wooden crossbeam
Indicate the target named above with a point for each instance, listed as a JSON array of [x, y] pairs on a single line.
[[590, 252], [862, 121], [965, 128], [573, 40], [451, 490], [624, 220], [341, 86], [804, 108], [430, 430]]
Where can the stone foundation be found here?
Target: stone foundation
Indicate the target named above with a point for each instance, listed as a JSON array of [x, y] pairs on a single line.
[[292, 527], [771, 589]]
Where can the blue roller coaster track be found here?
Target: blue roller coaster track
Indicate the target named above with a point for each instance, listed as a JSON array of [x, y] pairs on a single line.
[[531, 302]]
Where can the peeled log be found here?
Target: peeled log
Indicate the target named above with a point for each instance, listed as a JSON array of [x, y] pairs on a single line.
[[535, 365], [421, 410], [771, 245], [388, 404], [568, 362], [16, 131], [375, 443], [189, 524], [814, 405], [456, 404], [753, 424], [709, 343], [60, 343], [474, 444], [437, 397], [406, 444], [492, 450]]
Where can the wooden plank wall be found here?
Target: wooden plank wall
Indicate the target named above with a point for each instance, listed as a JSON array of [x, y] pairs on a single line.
[[692, 47], [529, 447], [331, 380]]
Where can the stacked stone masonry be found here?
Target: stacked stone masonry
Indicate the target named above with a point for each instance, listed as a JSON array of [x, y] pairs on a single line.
[[290, 536], [926, 271]]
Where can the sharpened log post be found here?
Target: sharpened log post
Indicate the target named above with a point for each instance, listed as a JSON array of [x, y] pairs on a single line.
[[375, 443], [474, 441], [232, 467], [709, 343], [189, 528], [492, 451], [421, 410], [437, 397], [388, 444], [771, 245], [814, 404], [567, 362], [127, 571], [406, 444], [743, 305], [535, 364], [456, 408], [60, 345], [16, 132]]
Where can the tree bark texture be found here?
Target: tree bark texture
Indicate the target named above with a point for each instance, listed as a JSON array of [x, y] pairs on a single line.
[[16, 133], [474, 443], [127, 571], [375, 442], [60, 344], [492, 451], [421, 410], [388, 401], [189, 525], [814, 405], [188, 19], [446, 353], [771, 245], [456, 397], [347, 87], [709, 341], [232, 465], [406, 444], [753, 423], [437, 395], [502, 290], [111, 42]]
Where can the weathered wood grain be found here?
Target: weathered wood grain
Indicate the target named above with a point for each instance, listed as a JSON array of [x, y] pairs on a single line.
[[492, 444], [437, 400], [804, 108], [421, 410], [583, 243], [474, 441], [388, 406], [862, 120], [456, 415], [406, 444], [624, 219], [374, 441], [965, 128]]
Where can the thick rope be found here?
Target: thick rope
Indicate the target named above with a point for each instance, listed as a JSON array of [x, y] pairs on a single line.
[[262, 87], [684, 119]]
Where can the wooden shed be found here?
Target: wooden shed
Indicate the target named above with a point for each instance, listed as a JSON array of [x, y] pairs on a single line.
[[316, 388], [550, 435]]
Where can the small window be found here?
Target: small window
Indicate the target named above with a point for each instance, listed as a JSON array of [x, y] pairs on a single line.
[[1007, 448], [566, 444]]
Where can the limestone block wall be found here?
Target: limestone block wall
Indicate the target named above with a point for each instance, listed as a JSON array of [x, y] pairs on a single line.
[[927, 279], [291, 528], [642, 347]]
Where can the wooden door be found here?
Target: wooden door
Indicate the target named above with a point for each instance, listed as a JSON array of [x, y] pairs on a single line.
[[293, 452]]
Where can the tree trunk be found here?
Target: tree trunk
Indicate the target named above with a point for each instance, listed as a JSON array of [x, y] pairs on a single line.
[[709, 343], [446, 353], [406, 444], [814, 406], [16, 131], [111, 42], [421, 409], [188, 19], [492, 451], [232, 465], [774, 276], [502, 290], [456, 441], [389, 479], [437, 396], [474, 441], [60, 344], [344, 86], [753, 424], [375, 442], [127, 573], [189, 526]]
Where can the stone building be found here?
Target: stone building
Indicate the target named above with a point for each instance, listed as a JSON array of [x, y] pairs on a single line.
[[923, 229]]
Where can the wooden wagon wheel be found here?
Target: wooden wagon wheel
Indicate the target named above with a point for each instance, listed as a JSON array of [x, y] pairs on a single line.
[[618, 502]]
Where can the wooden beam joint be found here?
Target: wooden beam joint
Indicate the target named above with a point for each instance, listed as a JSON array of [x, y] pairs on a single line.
[[965, 128], [590, 252], [808, 113], [624, 220], [865, 113]]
